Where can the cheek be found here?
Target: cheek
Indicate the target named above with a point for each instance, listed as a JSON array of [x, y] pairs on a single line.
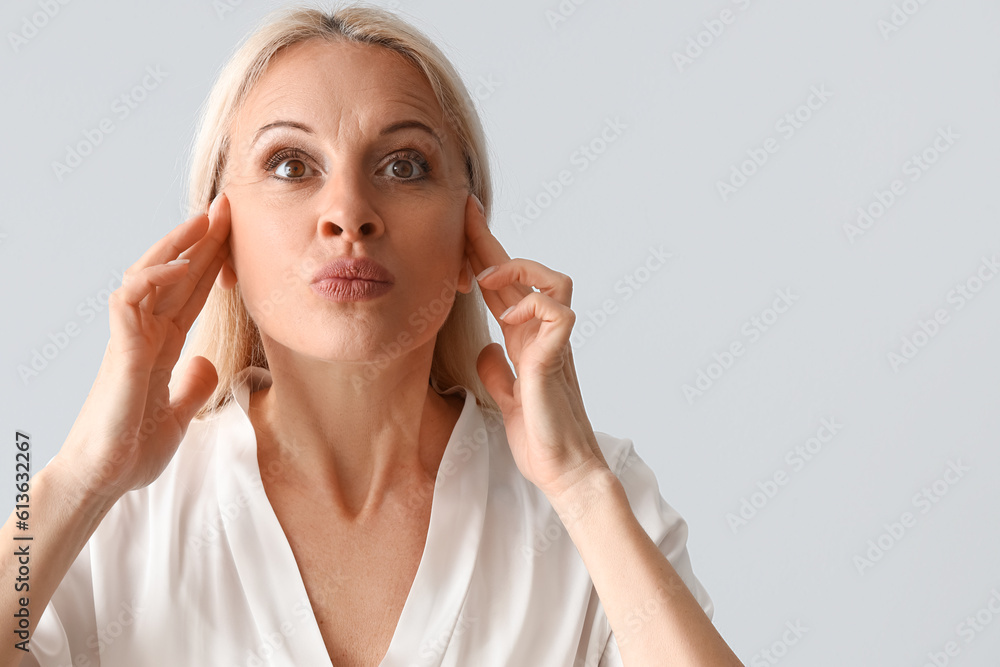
[[446, 245], [425, 234], [258, 247], [441, 257], [447, 236]]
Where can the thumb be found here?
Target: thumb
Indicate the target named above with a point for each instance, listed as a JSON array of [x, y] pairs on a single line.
[[496, 375], [197, 384]]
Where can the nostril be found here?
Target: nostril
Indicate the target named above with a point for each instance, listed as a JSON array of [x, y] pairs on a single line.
[[365, 229]]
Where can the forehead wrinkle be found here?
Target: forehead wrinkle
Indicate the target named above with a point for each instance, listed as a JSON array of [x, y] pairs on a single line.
[[382, 95], [341, 124], [422, 103]]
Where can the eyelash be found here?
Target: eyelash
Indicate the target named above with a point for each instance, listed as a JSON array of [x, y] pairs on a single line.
[[289, 153]]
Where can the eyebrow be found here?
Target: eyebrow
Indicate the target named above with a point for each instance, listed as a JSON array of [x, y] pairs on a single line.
[[407, 124], [280, 123], [395, 127]]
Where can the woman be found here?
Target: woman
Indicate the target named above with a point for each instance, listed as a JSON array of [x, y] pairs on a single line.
[[343, 471]]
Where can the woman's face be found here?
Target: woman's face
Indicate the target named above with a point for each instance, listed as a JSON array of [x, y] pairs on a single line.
[[355, 176]]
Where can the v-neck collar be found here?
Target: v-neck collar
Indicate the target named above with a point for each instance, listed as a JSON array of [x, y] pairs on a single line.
[[269, 573]]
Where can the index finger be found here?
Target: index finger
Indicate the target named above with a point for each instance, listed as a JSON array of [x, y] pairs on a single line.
[[176, 241], [480, 237], [484, 250], [206, 258]]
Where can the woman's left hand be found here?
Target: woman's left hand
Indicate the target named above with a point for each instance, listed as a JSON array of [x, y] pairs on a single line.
[[550, 436]]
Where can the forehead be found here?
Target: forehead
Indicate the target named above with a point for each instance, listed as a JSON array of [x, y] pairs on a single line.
[[321, 82]]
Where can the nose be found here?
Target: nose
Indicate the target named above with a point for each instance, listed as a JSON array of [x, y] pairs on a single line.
[[346, 208]]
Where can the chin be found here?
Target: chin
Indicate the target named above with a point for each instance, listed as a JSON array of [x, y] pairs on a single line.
[[358, 348]]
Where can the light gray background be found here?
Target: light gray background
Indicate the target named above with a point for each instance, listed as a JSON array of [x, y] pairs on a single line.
[[553, 87]]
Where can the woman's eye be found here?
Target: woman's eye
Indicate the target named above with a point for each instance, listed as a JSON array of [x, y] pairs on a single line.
[[290, 165], [410, 167], [291, 169]]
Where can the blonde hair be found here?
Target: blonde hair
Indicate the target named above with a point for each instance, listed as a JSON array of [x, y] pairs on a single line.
[[224, 332]]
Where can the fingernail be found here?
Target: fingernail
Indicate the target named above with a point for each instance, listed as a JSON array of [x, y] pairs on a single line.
[[506, 312], [178, 261], [468, 271], [486, 272], [479, 204]]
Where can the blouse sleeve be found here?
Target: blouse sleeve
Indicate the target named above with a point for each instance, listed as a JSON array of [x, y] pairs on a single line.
[[662, 523]]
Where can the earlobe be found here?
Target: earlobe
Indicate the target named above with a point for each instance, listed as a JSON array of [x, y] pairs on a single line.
[[465, 278], [226, 279]]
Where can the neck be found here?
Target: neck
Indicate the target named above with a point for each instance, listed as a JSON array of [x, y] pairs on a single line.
[[352, 441]]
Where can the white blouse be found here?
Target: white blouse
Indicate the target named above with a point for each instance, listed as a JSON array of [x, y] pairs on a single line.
[[195, 569]]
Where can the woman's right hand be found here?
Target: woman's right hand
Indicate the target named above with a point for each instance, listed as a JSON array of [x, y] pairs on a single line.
[[130, 426]]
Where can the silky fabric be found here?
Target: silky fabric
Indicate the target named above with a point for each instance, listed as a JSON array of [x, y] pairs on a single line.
[[195, 568]]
